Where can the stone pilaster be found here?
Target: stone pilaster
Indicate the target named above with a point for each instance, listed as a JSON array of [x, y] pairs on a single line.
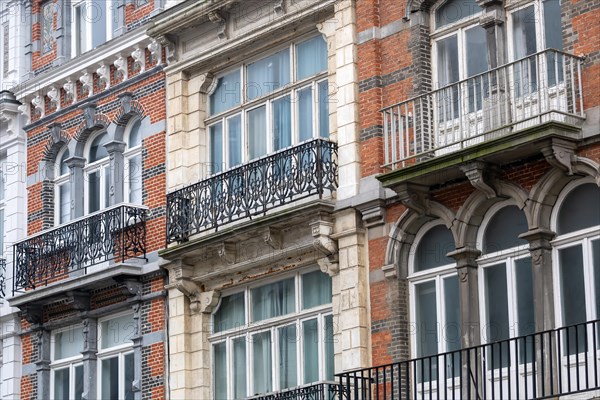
[[90, 363], [76, 165], [43, 362], [115, 151]]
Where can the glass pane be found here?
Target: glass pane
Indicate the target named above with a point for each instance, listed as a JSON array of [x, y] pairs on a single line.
[[282, 123], [426, 318], [64, 168], [239, 368], [81, 22], [311, 57], [572, 285], [476, 52], [106, 185], [305, 114], [110, 378], [552, 24], [497, 323], [329, 350], [61, 384], [273, 300], [268, 74], [580, 209], [129, 376], [448, 73], [220, 355], [504, 229], [98, 17], [452, 310], [257, 132], [65, 202], [455, 10], [117, 331], [79, 382], [135, 179], [525, 309], [262, 369], [596, 267], [97, 149], [310, 337], [227, 93], [230, 313], [288, 374], [68, 343], [324, 109], [234, 140], [216, 148], [524, 43], [135, 135], [316, 289], [433, 247]]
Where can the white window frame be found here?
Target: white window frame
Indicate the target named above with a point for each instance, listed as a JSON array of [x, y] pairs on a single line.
[[88, 6], [100, 166], [266, 100], [59, 181], [272, 325], [129, 154], [70, 362], [540, 33], [2, 202]]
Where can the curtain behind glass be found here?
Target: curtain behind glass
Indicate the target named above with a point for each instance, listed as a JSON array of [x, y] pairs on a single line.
[[316, 289], [262, 368], [129, 374], [329, 354], [525, 308], [553, 34], [305, 114], [477, 63], [220, 365], [310, 336], [324, 109], [288, 375], [230, 313], [239, 367], [68, 343], [216, 148], [282, 123], [110, 378], [61, 384], [257, 132], [448, 73], [79, 382], [311, 57], [572, 286], [227, 93], [497, 323], [135, 179], [268, 74], [524, 43], [273, 300], [234, 140]]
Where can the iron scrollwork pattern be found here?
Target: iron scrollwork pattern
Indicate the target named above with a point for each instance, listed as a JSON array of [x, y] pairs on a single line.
[[118, 233], [2, 278], [319, 391], [253, 189]]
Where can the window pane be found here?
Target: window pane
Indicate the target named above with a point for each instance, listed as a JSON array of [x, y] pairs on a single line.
[[220, 355], [426, 318], [497, 324], [1, 232], [216, 148], [282, 123], [98, 17], [572, 281], [227, 93], [329, 353], [61, 384], [234, 137], [311, 57], [273, 300], [135, 179], [81, 29], [288, 374], [65, 202], [117, 331], [454, 10], [239, 367], [268, 74], [310, 337], [110, 378], [316, 289], [257, 132], [305, 114], [452, 309], [97, 149], [324, 109], [596, 267], [525, 310], [135, 136], [433, 247], [230, 313], [447, 54], [79, 382], [504, 229], [524, 37], [94, 191], [580, 209], [262, 369], [68, 343], [552, 24], [129, 376]]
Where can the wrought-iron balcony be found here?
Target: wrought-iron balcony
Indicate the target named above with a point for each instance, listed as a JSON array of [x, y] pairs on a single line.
[[252, 189], [117, 233], [541, 88], [546, 364], [317, 391], [2, 278]]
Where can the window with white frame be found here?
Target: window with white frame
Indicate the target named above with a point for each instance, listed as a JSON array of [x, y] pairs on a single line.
[[62, 188], [2, 202], [273, 336], [434, 299], [92, 24], [268, 104], [97, 172], [576, 221], [66, 367], [115, 357], [133, 163], [506, 283]]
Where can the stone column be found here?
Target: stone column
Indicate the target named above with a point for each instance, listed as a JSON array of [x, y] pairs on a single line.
[[77, 180], [90, 362], [43, 361], [137, 352], [115, 151]]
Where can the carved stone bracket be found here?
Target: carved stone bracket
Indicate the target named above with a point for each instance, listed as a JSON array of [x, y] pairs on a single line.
[[560, 154], [219, 18], [272, 237], [56, 132], [181, 276], [156, 51], [32, 313], [329, 265], [169, 44], [279, 8], [87, 81], [104, 74], [89, 115], [131, 287], [54, 97], [208, 301], [227, 252], [79, 300], [139, 58], [25, 110], [323, 243], [390, 271], [413, 196], [38, 105], [121, 66], [70, 89], [373, 213], [126, 98], [208, 83], [481, 176]]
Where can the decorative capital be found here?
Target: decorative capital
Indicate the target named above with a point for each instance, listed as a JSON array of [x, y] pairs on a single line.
[[168, 43], [465, 257], [89, 114], [55, 129], [125, 98], [373, 213]]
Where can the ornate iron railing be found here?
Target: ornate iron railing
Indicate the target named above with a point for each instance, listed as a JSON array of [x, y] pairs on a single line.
[[252, 189], [318, 391], [116, 233], [539, 88], [2, 278], [541, 365]]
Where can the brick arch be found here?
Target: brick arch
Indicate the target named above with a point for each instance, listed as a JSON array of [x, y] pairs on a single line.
[[128, 110], [53, 147], [89, 125]]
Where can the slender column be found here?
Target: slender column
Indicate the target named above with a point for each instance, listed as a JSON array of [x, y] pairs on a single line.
[[137, 352], [43, 361], [115, 151], [90, 362], [76, 165]]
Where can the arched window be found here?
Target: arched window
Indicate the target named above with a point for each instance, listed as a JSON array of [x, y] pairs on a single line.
[[133, 163], [97, 172], [506, 282], [62, 208], [435, 300], [576, 221]]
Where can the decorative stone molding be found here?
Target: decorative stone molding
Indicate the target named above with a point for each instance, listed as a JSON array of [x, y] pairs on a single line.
[[329, 265], [89, 115], [121, 66], [70, 89], [139, 58], [208, 301], [156, 51], [220, 18], [481, 176], [54, 97], [38, 105], [131, 287], [279, 8], [560, 154], [465, 257], [227, 252], [413, 196], [126, 99], [390, 271], [87, 81], [104, 75], [25, 110], [272, 237], [323, 243], [181, 278], [168, 43], [79, 300], [208, 83], [373, 213]]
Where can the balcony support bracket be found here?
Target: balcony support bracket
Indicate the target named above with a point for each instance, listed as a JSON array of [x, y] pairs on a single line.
[[482, 177], [329, 265], [560, 154], [322, 242], [414, 197], [80, 300], [201, 301], [227, 253], [272, 237]]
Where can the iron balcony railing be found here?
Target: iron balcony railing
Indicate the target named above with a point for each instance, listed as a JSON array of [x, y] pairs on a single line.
[[252, 189], [539, 88], [317, 391], [115, 233], [2, 278], [541, 365]]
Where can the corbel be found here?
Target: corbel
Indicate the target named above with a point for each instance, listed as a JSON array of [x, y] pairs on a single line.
[[373, 213], [55, 130], [226, 252], [70, 89], [272, 237], [139, 58], [104, 74], [322, 242], [54, 96], [220, 18], [414, 197], [121, 66], [130, 287], [33, 313], [89, 114], [168, 43], [279, 8], [79, 300], [481, 176], [390, 271], [25, 110], [38, 105], [125, 98], [560, 154], [208, 83], [181, 276], [329, 265], [87, 81], [156, 51]]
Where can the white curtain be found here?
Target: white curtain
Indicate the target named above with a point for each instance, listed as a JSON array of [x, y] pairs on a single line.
[[311, 57], [262, 368], [239, 368], [227, 93], [305, 114], [220, 366], [216, 148], [273, 300], [282, 123], [234, 140], [310, 336], [288, 375], [268, 74], [257, 132]]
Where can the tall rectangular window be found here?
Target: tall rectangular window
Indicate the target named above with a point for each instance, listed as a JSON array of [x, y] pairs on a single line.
[[66, 367], [116, 357]]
